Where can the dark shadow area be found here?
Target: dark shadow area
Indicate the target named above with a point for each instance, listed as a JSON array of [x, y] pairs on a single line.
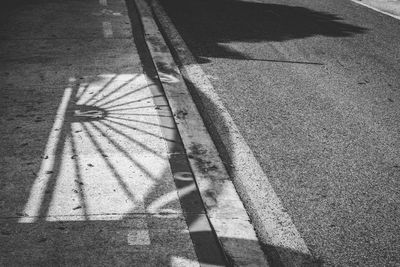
[[207, 25]]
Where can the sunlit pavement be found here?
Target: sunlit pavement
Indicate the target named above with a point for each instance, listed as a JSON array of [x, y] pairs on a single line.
[[85, 141]]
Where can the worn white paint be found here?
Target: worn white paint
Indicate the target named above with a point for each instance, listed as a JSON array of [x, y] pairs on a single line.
[[375, 9], [106, 165], [177, 261], [32, 207], [157, 206], [107, 29]]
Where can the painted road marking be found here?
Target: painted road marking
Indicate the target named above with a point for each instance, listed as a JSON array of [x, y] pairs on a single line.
[[84, 147], [376, 9], [177, 261], [157, 205], [32, 207], [107, 29]]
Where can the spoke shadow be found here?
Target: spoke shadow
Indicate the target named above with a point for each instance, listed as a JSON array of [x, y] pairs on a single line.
[[73, 197]]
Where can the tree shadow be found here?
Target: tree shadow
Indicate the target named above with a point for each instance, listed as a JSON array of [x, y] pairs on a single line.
[[208, 26]]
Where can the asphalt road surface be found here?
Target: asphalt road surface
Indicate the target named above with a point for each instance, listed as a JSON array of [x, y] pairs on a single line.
[[314, 87]]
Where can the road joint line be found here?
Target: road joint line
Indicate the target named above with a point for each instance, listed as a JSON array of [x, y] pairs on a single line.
[[216, 188]]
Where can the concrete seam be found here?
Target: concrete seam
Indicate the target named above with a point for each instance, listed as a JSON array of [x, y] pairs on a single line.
[[216, 189]]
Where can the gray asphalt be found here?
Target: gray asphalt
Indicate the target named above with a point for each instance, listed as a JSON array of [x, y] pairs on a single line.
[[314, 87]]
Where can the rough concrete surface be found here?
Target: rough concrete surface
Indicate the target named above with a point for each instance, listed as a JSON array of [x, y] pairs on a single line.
[[224, 208]]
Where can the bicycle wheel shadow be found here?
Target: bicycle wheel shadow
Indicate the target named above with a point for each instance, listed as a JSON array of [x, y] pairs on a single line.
[[143, 215], [104, 192]]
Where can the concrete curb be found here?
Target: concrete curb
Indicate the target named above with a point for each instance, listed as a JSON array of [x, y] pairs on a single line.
[[224, 208], [281, 241]]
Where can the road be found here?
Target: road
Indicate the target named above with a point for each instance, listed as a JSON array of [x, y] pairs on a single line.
[[314, 88]]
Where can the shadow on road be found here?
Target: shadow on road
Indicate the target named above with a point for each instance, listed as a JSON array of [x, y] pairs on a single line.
[[67, 219], [100, 119], [103, 191], [208, 26], [212, 28]]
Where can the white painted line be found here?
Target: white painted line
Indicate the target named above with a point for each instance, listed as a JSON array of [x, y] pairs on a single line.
[[81, 90], [32, 207], [93, 217], [157, 205], [376, 9], [103, 2], [177, 261], [274, 224], [107, 29]]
